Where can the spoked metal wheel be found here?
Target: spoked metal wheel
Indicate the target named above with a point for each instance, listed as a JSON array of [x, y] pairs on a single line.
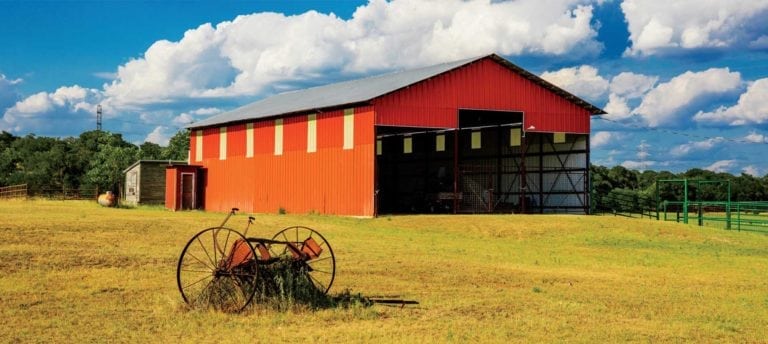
[[320, 261], [217, 270]]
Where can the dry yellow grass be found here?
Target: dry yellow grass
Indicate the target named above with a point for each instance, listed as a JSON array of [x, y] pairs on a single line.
[[76, 272]]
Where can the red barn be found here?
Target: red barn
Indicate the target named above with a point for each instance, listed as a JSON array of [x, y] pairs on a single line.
[[471, 136]]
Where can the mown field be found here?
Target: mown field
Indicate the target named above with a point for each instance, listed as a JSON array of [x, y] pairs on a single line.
[[75, 272]]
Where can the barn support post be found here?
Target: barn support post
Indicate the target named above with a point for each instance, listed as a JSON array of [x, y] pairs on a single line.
[[540, 203], [500, 147], [523, 177], [588, 183], [456, 166]]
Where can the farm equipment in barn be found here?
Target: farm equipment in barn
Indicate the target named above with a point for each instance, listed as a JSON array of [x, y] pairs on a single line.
[[223, 269]]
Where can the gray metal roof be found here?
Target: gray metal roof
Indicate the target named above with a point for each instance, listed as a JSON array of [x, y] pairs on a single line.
[[360, 91], [155, 162]]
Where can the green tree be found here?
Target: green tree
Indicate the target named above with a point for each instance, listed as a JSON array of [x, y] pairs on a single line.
[[622, 177], [7, 163], [104, 156], [178, 146], [151, 151], [106, 168]]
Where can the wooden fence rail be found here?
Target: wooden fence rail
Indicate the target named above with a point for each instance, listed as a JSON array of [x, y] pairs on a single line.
[[13, 191]]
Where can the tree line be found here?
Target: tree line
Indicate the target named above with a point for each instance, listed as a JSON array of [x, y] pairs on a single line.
[[618, 183], [92, 162]]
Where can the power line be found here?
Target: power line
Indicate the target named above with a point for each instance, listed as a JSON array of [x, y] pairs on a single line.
[[675, 132]]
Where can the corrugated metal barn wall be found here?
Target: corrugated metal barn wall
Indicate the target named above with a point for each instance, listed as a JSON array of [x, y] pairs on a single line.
[[331, 180], [484, 84]]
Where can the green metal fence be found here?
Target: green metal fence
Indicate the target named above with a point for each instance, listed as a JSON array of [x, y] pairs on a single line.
[[742, 216]]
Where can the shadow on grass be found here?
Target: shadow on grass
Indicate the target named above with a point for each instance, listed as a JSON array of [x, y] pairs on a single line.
[[282, 285]]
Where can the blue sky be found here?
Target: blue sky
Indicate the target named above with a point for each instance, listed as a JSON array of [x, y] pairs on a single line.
[[685, 82]]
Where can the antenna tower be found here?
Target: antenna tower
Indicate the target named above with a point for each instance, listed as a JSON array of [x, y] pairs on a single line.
[[642, 153], [98, 117]]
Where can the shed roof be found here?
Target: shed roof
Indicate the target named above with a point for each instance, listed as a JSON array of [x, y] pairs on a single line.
[[155, 162], [364, 90]]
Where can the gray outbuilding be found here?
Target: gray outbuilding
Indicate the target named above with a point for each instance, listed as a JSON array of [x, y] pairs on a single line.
[[145, 181]]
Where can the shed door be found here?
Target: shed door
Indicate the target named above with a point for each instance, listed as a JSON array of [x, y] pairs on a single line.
[[187, 191]]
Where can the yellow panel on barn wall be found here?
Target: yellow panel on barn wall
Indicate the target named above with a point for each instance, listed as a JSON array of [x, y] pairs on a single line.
[[559, 138], [407, 145], [249, 140], [477, 142], [349, 128], [223, 143], [440, 143], [312, 133], [515, 136], [378, 147], [198, 145], [279, 136]]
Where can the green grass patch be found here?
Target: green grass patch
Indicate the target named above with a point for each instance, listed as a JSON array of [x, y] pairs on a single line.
[[76, 272]]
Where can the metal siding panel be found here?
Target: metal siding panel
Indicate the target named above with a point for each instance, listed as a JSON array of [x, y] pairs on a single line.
[[210, 143], [170, 189], [236, 141], [481, 85], [330, 181]]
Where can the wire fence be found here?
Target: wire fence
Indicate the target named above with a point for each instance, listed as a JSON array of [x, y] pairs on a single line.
[[13, 191], [23, 191]]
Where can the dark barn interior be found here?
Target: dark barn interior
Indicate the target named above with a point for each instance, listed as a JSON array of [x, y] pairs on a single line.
[[488, 165]]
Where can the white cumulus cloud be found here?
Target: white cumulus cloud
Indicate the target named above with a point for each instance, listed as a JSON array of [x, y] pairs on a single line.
[[752, 107], [721, 166], [185, 118], [751, 170], [689, 147], [160, 135], [583, 81], [601, 138], [754, 137], [617, 107], [49, 110], [268, 52], [632, 85], [663, 26], [661, 105], [637, 165]]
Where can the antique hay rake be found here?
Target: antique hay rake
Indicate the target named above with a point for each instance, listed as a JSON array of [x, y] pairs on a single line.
[[223, 269]]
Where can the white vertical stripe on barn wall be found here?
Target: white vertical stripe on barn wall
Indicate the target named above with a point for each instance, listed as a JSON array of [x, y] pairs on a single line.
[[515, 137], [559, 138], [249, 140], [440, 143], [223, 143], [349, 128], [198, 145], [312, 133], [407, 145], [279, 136], [477, 140]]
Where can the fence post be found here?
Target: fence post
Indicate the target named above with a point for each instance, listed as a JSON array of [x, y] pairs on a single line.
[[701, 220]]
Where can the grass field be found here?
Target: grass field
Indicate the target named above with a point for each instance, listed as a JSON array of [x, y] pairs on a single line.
[[75, 272]]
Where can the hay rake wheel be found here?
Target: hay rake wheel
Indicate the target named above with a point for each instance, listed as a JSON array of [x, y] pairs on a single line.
[[216, 270], [321, 264]]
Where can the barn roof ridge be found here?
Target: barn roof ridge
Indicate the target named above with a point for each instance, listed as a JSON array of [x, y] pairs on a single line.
[[363, 90]]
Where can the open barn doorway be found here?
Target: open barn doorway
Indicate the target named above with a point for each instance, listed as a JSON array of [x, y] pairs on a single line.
[[450, 170]]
